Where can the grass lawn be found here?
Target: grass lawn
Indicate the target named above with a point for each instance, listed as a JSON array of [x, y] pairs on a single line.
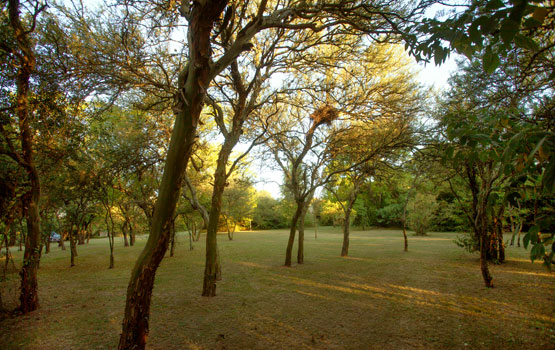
[[431, 297]]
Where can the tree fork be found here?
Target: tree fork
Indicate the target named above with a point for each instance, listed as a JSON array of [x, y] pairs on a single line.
[[293, 230]]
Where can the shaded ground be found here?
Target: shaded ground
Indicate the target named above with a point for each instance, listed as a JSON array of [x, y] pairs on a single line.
[[380, 297]]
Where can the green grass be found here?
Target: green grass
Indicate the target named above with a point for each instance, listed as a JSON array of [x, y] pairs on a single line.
[[431, 297]]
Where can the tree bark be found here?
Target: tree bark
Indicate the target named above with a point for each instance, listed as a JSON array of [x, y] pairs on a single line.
[[124, 233], [191, 95], [486, 275], [346, 232], [300, 246], [73, 247], [292, 232], [28, 297], [220, 179]]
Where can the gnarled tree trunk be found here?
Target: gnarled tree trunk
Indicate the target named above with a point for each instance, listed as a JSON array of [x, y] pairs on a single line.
[[191, 92], [28, 296]]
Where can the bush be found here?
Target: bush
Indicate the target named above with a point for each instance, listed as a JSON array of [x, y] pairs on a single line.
[[421, 211]]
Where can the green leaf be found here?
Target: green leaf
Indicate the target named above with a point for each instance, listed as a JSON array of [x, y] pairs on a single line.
[[449, 152], [549, 177], [490, 61], [509, 29], [488, 25], [533, 232], [526, 42], [533, 153], [537, 252], [526, 240], [494, 4]]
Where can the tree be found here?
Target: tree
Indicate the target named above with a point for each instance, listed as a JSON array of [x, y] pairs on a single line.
[[301, 178], [194, 79], [18, 23], [484, 134], [238, 204], [420, 212]]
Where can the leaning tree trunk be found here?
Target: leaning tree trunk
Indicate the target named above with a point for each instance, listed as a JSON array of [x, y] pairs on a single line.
[[292, 232], [190, 96]]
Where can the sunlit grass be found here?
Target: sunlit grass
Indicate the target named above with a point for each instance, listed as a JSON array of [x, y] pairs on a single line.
[[431, 297]]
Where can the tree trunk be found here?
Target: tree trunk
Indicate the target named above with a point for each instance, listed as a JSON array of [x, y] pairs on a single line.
[[488, 280], [28, 296], [47, 245], [405, 237], [292, 232], [230, 229], [300, 247], [124, 233], [131, 234], [73, 247], [81, 236], [211, 266], [346, 232], [191, 95], [62, 239]]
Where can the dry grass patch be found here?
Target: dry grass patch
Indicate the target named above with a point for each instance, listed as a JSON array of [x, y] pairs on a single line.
[[380, 297]]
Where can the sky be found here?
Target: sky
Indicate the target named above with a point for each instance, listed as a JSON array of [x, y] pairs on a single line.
[[430, 75]]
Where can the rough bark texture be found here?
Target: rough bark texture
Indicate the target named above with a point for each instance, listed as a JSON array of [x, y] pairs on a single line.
[[190, 96], [28, 294]]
